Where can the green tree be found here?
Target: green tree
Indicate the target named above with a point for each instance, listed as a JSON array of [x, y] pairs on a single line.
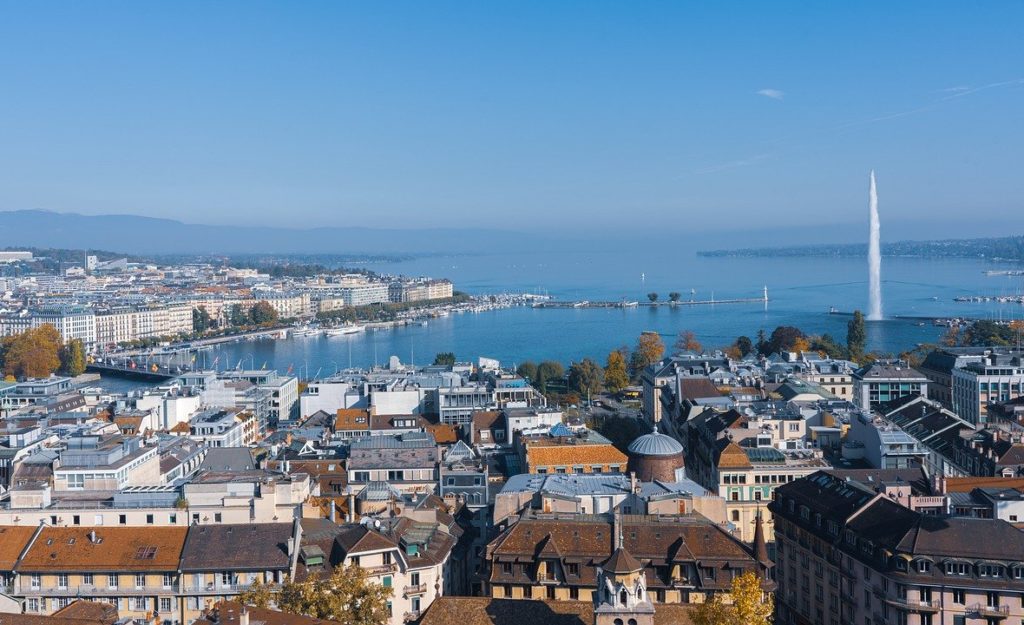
[[622, 431], [347, 596], [446, 359], [674, 296], [856, 336], [616, 377], [827, 345], [744, 345], [239, 316], [34, 353], [985, 333], [527, 370], [652, 296], [750, 605], [263, 314], [586, 377], [72, 358], [257, 595], [762, 343], [783, 339], [548, 371], [201, 320]]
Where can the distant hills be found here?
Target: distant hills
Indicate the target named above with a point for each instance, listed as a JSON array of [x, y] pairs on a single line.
[[992, 248], [132, 234]]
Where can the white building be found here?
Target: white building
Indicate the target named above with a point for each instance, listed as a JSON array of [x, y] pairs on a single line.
[[996, 378]]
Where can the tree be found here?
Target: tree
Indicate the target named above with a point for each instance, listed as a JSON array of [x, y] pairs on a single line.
[[201, 320], [239, 316], [783, 339], [750, 605], [34, 353], [649, 350], [446, 359], [856, 336], [951, 338], [827, 346], [622, 431], [263, 314], [586, 377], [745, 346], [762, 343], [547, 372], [652, 296], [616, 377], [347, 596], [527, 370], [674, 296], [256, 595], [72, 357], [687, 342], [801, 345], [985, 333]]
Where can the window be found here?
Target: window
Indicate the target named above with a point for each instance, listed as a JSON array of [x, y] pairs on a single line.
[[165, 605], [122, 519], [35, 581], [386, 557], [924, 566], [172, 519], [76, 520], [226, 578], [112, 582], [386, 581], [168, 580], [218, 517], [396, 476], [573, 569], [140, 580], [506, 568], [139, 604], [959, 597], [735, 516], [87, 579], [149, 519], [360, 476]]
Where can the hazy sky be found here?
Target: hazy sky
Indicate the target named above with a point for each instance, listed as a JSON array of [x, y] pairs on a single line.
[[673, 116]]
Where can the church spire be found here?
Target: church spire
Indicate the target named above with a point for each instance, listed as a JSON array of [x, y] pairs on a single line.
[[760, 546]]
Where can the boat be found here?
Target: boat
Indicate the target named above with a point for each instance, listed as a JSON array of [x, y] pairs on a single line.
[[306, 331], [344, 330], [423, 323]]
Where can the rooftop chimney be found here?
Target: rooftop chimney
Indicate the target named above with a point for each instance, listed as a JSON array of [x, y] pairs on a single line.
[[243, 615]]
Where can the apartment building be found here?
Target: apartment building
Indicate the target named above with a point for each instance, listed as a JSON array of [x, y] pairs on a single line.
[[685, 558], [407, 461], [559, 450], [220, 561], [885, 380], [412, 557], [133, 568], [70, 322], [846, 554], [997, 377], [105, 462]]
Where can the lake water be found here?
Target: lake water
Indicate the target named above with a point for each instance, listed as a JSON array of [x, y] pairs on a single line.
[[801, 292]]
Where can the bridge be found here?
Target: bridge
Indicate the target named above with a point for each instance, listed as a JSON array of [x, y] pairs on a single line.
[[130, 368]]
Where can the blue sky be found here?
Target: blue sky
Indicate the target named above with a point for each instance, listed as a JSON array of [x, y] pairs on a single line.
[[592, 115]]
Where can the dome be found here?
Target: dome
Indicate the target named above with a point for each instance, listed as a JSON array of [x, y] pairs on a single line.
[[655, 444]]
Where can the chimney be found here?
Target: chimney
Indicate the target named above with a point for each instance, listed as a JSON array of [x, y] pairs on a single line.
[[291, 546], [632, 482], [243, 615]]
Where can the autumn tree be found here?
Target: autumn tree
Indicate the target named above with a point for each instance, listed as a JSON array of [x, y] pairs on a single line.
[[445, 359], [257, 595], [856, 336], [72, 357], [801, 344], [750, 605], [262, 313], [652, 296], [527, 370], [827, 346], [649, 350], [586, 377], [687, 342], [34, 353], [348, 596], [616, 377], [782, 339]]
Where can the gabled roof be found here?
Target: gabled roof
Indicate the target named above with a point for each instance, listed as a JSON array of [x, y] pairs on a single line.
[[361, 539], [621, 562], [13, 540]]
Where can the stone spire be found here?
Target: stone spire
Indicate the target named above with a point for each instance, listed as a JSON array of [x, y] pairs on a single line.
[[760, 546]]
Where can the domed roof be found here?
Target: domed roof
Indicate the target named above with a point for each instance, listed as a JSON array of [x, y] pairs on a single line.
[[655, 444]]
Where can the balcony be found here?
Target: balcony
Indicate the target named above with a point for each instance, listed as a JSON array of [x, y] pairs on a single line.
[[415, 589], [547, 578], [989, 611], [913, 605], [88, 590], [411, 615], [379, 570]]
